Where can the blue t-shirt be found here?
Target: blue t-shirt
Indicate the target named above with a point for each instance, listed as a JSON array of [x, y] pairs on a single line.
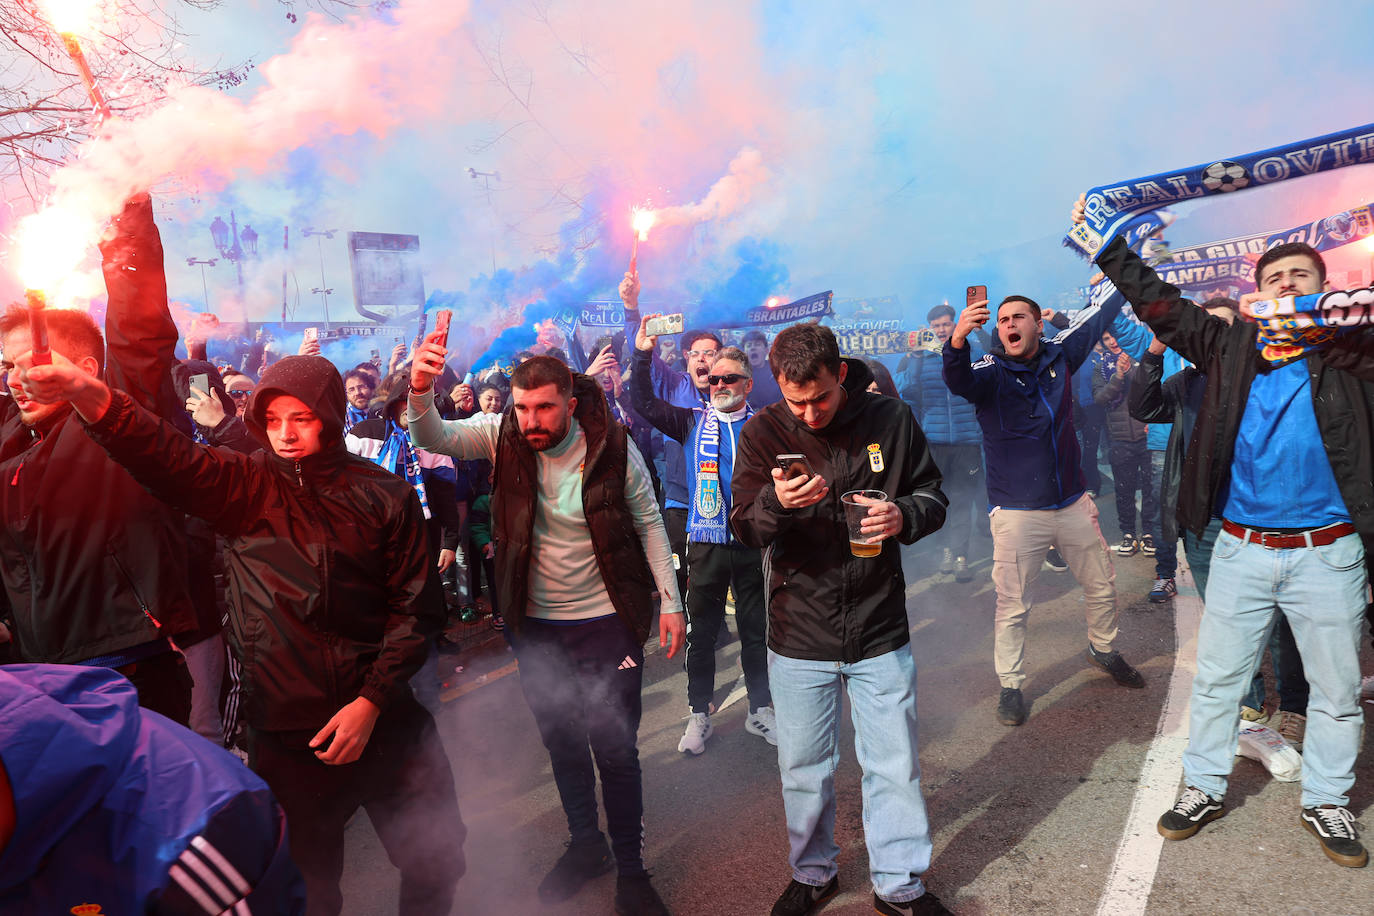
[[1280, 475]]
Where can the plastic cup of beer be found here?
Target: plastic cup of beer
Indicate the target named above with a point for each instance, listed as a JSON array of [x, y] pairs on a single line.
[[860, 544]]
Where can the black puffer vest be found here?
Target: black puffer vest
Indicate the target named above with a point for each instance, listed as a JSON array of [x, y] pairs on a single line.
[[613, 538]]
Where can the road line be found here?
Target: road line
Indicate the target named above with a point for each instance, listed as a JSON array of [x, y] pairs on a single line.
[[1137, 855], [478, 682]]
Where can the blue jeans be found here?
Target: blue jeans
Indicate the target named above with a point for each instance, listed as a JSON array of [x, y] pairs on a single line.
[[1166, 549], [1321, 592], [882, 697]]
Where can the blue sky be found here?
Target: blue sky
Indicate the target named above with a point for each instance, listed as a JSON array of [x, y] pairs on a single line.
[[914, 147]]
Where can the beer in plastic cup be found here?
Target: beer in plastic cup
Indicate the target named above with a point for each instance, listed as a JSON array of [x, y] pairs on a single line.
[[860, 544]]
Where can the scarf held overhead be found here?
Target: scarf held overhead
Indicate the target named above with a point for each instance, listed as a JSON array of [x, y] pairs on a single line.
[[1110, 207]]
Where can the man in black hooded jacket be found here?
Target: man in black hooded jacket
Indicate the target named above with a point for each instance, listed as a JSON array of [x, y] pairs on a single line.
[[332, 596]]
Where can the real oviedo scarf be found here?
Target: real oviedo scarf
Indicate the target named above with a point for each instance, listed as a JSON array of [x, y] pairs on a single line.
[[708, 515]]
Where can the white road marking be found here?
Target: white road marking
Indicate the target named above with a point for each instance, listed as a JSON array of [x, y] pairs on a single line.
[[1137, 855]]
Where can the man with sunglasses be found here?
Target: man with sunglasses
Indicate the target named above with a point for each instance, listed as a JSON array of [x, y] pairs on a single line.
[[716, 560]]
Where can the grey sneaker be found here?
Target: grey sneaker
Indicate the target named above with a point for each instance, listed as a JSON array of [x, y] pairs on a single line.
[[961, 571], [947, 561]]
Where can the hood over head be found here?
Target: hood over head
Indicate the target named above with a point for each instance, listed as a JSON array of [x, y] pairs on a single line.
[[314, 381], [181, 382]]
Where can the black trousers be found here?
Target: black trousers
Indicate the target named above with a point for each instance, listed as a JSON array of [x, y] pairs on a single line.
[[961, 472], [163, 684], [403, 781], [582, 682], [711, 568], [675, 521]]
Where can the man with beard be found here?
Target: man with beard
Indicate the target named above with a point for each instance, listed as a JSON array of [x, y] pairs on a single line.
[[582, 547], [1035, 483], [716, 560], [358, 389]]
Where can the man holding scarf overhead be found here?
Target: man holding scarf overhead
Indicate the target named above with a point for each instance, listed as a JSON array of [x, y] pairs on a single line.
[[1283, 453], [715, 559]]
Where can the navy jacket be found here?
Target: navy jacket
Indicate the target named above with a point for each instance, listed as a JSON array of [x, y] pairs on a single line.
[[946, 418], [1030, 446]]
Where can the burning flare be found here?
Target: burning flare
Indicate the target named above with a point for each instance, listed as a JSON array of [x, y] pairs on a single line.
[[50, 245], [70, 16], [642, 220]]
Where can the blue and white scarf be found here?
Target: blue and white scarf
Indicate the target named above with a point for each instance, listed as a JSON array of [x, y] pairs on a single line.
[[398, 446], [1111, 207], [708, 514], [353, 416], [1292, 326]]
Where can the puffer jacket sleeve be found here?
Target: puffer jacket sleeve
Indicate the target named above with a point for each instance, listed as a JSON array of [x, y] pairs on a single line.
[[140, 335], [922, 502], [223, 487], [415, 606]]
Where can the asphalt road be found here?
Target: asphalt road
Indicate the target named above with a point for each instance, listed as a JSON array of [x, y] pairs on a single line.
[[1054, 817]]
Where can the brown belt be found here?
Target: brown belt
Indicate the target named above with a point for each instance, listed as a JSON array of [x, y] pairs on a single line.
[[1317, 537]]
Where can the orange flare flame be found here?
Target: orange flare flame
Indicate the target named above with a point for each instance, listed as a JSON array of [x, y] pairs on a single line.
[[50, 246], [70, 16], [642, 221]]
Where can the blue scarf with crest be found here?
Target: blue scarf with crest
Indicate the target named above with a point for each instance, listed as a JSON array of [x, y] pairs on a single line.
[[398, 446], [709, 512]]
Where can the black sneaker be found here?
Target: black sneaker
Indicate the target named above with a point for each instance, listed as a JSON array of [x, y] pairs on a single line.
[[800, 899], [1147, 545], [1112, 663], [1335, 828], [579, 863], [1011, 707], [925, 905], [1193, 809], [635, 896], [1055, 560], [1128, 546]]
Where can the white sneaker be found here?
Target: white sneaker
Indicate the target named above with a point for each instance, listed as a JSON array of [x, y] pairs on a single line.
[[764, 723], [699, 728]]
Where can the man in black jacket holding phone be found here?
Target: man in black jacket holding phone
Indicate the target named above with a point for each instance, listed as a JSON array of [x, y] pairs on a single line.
[[837, 619]]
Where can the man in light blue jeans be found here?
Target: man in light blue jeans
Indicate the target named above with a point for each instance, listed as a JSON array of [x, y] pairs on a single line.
[[882, 696], [1281, 452], [837, 610], [1320, 590]]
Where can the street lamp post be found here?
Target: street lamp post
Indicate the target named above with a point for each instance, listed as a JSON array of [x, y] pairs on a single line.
[[204, 263], [323, 289], [227, 242]]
